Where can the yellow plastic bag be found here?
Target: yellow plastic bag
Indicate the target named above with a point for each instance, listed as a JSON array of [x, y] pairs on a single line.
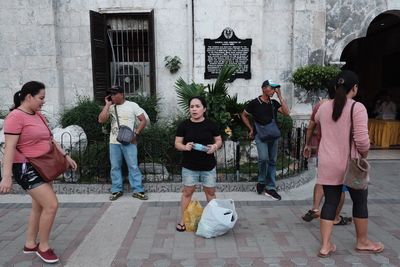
[[192, 215]]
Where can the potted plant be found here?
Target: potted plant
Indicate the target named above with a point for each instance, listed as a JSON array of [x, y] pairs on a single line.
[[172, 63], [314, 78]]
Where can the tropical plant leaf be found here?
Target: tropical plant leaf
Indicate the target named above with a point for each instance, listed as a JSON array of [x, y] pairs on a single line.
[[224, 76], [186, 91]]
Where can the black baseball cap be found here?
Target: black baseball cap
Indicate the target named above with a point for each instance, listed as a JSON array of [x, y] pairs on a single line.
[[115, 89], [347, 78], [270, 83]]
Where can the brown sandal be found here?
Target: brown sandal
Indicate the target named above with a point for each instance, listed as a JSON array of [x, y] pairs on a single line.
[[329, 253], [372, 250]]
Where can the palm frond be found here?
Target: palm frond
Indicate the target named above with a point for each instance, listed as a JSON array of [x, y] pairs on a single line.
[[225, 74], [185, 91]]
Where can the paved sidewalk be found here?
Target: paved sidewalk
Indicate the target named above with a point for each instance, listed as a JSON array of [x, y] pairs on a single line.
[[92, 231]]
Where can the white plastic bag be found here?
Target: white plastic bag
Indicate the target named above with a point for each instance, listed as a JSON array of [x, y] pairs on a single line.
[[219, 216]]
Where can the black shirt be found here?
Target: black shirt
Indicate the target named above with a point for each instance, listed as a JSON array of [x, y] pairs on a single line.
[[198, 132], [262, 111]]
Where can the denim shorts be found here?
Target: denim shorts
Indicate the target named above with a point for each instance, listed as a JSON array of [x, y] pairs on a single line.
[[191, 178], [26, 176]]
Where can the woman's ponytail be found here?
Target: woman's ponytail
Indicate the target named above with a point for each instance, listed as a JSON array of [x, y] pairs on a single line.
[[17, 100], [338, 102], [345, 81]]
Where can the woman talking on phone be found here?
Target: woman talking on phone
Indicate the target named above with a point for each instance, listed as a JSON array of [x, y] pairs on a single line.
[[198, 138], [27, 135]]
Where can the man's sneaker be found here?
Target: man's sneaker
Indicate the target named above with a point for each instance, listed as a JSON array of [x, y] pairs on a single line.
[[260, 188], [30, 250], [273, 194], [47, 256], [115, 196], [140, 195]]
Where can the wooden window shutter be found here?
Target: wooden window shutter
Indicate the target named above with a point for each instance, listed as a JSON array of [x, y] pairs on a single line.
[[152, 55], [100, 64]]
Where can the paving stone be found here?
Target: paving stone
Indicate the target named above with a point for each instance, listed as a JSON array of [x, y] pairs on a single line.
[[380, 259], [327, 262], [217, 262], [352, 259], [162, 263], [271, 260], [244, 262], [189, 262], [299, 261], [135, 263]]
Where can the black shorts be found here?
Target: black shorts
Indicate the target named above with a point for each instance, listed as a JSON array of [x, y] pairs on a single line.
[[26, 176]]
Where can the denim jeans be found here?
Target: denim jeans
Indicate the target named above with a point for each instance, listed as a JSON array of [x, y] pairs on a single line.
[[129, 152], [267, 155]]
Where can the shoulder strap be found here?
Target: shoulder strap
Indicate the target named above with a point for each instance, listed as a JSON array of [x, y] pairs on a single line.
[[116, 114], [351, 128], [47, 126], [273, 109]]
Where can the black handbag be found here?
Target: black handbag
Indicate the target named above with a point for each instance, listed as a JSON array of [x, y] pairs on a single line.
[[125, 134], [269, 131]]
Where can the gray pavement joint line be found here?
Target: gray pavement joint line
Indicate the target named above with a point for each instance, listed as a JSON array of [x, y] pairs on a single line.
[[123, 251], [86, 229]]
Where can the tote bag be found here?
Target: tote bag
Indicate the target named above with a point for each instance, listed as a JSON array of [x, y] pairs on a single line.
[[357, 171]]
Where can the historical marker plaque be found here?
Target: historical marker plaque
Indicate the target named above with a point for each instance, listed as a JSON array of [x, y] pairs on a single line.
[[228, 49]]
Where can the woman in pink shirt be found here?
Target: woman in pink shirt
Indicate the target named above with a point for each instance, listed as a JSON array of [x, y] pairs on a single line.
[[334, 118], [27, 135]]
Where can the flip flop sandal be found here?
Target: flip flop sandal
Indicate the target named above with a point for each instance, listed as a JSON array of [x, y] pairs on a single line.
[[344, 221], [310, 215], [181, 228], [326, 255], [370, 250]]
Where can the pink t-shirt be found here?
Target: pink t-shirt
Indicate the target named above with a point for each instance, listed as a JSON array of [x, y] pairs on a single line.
[[334, 146], [33, 134]]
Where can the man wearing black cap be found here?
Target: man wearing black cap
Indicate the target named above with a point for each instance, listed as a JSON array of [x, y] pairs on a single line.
[[127, 112], [264, 111]]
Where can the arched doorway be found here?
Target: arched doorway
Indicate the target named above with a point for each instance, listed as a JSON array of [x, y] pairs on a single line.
[[376, 59]]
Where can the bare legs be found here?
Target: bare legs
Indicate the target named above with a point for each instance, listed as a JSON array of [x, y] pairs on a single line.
[[186, 197], [41, 219], [187, 193], [363, 243], [317, 197]]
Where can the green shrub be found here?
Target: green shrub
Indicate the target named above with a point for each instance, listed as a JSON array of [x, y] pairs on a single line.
[[157, 144], [285, 124], [314, 77], [85, 114], [3, 113], [148, 103]]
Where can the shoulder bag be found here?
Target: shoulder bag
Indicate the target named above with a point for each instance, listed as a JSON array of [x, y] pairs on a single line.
[[357, 171], [51, 164], [125, 134], [269, 131]]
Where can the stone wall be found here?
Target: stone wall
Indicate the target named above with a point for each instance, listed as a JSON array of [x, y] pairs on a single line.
[[49, 40]]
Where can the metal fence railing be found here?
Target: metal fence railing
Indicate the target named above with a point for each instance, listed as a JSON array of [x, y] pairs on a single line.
[[160, 162]]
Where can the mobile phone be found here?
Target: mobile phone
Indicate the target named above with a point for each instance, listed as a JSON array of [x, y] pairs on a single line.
[[109, 98]]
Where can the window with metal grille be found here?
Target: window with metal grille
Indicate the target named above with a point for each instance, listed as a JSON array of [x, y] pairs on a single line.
[[123, 53]]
